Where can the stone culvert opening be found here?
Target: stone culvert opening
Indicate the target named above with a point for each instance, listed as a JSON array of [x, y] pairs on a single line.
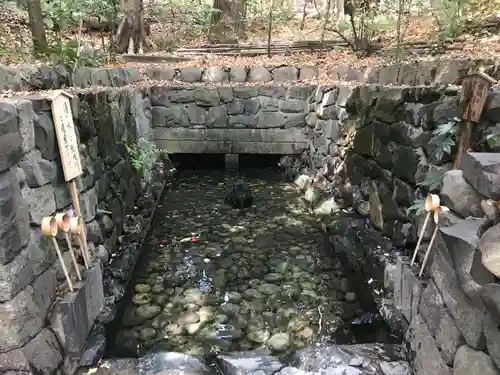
[[218, 161]]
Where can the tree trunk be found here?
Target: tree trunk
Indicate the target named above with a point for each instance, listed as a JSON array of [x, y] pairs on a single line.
[[131, 35], [36, 25], [228, 21]]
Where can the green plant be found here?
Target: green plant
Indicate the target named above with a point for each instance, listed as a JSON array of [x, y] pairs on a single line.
[[450, 17], [433, 179], [444, 139], [66, 52], [417, 208], [145, 156], [493, 140]]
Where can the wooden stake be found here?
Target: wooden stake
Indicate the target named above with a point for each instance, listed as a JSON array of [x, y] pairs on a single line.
[[74, 229], [431, 203], [73, 258], [63, 223], [76, 204], [84, 255], [420, 237], [49, 229], [464, 143], [61, 259], [433, 238], [472, 99]]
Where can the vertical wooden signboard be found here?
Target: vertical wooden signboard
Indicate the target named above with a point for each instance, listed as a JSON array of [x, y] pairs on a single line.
[[475, 89], [68, 150]]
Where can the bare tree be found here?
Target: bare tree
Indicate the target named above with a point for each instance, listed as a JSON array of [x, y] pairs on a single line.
[[228, 20], [36, 25], [131, 34]]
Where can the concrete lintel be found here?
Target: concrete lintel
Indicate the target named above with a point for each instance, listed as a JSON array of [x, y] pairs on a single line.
[[248, 135], [230, 147]]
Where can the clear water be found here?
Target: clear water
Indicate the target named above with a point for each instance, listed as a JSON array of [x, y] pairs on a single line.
[[217, 279]]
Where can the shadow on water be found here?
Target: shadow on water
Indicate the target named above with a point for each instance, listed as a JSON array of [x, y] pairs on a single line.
[[213, 279]]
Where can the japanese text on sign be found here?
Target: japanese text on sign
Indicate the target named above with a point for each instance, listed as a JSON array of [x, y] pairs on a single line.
[[66, 137]]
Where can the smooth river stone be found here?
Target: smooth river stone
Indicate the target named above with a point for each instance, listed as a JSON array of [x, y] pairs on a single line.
[[252, 294], [279, 342], [148, 311], [142, 288], [230, 308], [207, 314], [188, 318], [273, 277], [141, 299], [269, 288], [259, 337]]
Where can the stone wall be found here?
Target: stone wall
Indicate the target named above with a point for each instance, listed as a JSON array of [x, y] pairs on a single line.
[[371, 155], [238, 107], [43, 327], [424, 72], [368, 147]]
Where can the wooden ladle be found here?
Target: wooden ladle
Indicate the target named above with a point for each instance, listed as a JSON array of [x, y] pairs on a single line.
[[437, 211], [49, 229], [431, 203], [75, 228], [63, 223]]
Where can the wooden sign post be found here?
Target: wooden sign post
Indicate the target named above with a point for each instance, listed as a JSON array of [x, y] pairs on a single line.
[[69, 152], [475, 89]]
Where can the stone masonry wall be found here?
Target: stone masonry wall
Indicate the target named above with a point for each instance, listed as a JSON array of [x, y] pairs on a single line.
[[424, 72], [34, 327], [370, 155], [236, 107], [368, 149]]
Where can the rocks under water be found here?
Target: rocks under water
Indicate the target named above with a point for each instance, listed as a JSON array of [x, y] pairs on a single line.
[[240, 196], [248, 280]]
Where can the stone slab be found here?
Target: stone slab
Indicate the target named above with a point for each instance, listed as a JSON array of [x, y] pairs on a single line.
[[20, 320], [427, 359], [411, 291], [255, 135], [195, 147], [401, 263], [448, 337], [471, 362], [467, 316], [278, 148], [489, 245], [431, 307], [389, 276], [482, 171], [462, 241], [73, 317], [42, 353], [14, 224], [230, 147]]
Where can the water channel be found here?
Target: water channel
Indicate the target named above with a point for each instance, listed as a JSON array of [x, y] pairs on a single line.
[[215, 279]]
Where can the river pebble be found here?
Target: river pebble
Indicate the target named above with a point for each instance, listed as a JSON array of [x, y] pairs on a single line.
[[251, 279]]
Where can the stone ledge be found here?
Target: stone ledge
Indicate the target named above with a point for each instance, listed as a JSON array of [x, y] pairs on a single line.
[[73, 317], [230, 147], [440, 72], [231, 141]]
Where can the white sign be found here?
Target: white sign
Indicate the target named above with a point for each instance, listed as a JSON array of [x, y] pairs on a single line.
[[66, 135]]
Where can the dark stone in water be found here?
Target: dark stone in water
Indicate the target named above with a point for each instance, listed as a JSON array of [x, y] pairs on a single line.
[[367, 318], [239, 196], [291, 167]]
